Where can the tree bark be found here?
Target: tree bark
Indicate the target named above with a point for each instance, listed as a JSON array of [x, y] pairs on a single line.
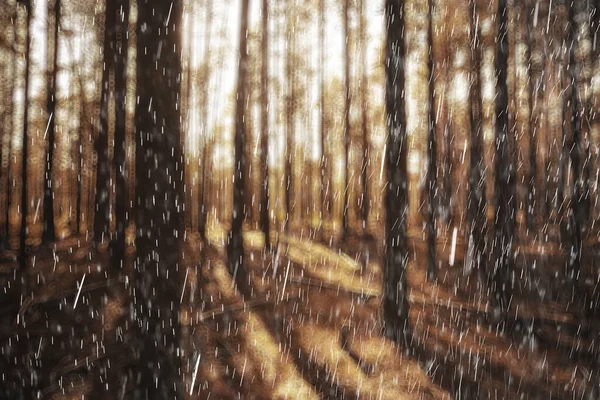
[[159, 198], [364, 117], [204, 171], [323, 163], [25, 241], [235, 248], [504, 179], [49, 232], [477, 203], [432, 156], [580, 137], [538, 79], [440, 82], [289, 124], [346, 133], [264, 206], [102, 197], [395, 305], [119, 156], [7, 125]]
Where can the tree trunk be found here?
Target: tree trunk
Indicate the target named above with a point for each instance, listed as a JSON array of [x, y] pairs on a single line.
[[346, 133], [580, 137], [395, 305], [289, 124], [102, 197], [37, 120], [432, 159], [364, 117], [594, 149], [323, 163], [49, 232], [204, 171], [440, 82], [120, 65], [7, 126], [538, 121], [477, 203], [264, 206], [235, 249], [504, 179], [25, 241], [159, 198]]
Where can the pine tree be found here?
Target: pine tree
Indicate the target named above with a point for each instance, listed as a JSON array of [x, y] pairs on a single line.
[[395, 305], [159, 198]]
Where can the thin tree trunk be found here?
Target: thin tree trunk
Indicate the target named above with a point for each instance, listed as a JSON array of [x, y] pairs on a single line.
[[538, 121], [289, 113], [203, 195], [7, 125], [460, 129], [323, 163], [440, 105], [346, 133], [364, 118], [580, 138], [119, 157], [522, 117], [49, 232], [264, 206], [504, 179], [102, 197], [235, 249], [477, 203], [432, 156], [558, 187], [25, 241], [395, 305]]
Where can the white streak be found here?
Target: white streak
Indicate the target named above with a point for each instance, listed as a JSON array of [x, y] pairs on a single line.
[[382, 161], [184, 282], [453, 249], [37, 208], [79, 291], [195, 374], [37, 355], [169, 16], [549, 12], [48, 125], [287, 271]]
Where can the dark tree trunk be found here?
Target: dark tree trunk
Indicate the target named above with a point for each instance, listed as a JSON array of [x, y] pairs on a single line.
[[431, 175], [346, 133], [264, 206], [49, 234], [121, 171], [395, 305], [25, 245], [6, 137], [323, 163], [578, 153], [531, 201], [477, 202], [504, 179], [364, 119], [159, 198], [102, 197], [235, 249], [203, 215]]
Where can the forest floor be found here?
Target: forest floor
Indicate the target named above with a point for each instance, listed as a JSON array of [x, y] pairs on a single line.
[[306, 325]]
